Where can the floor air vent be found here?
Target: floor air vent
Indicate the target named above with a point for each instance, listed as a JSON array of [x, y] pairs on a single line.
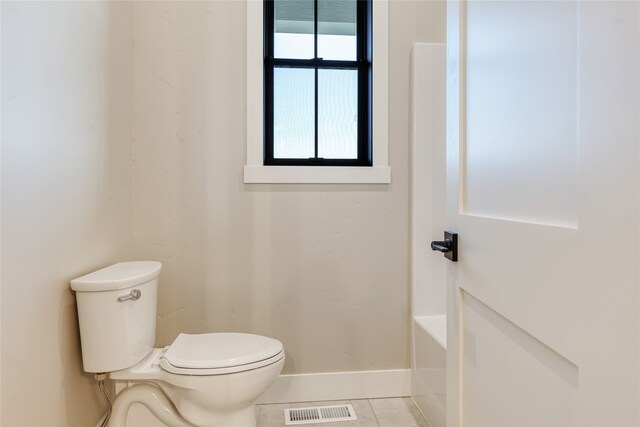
[[319, 414]]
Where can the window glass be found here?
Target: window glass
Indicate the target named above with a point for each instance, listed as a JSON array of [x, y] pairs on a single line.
[[338, 114], [313, 102], [293, 113], [293, 26], [337, 29]]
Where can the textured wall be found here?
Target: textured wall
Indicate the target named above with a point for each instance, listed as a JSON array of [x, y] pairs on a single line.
[[324, 268], [66, 193]]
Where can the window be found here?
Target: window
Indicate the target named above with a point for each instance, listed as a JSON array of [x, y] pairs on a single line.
[[340, 159], [317, 74]]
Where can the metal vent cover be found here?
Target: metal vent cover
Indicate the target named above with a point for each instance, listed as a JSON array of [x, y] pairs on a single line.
[[319, 414]]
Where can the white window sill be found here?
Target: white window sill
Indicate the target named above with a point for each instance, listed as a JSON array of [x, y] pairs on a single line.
[[317, 175]]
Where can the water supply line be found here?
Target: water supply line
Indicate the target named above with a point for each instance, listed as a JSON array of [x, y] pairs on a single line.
[[100, 377]]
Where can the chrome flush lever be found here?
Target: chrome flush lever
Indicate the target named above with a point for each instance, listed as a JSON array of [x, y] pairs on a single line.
[[133, 295]]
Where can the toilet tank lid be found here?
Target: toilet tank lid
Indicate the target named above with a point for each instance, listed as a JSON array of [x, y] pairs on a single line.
[[117, 276]]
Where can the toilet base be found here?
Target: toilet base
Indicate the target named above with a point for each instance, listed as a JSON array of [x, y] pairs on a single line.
[[151, 397], [147, 395], [146, 404], [239, 418]]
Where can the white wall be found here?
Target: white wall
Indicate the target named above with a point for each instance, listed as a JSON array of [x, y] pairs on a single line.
[[66, 193], [428, 178], [324, 268]]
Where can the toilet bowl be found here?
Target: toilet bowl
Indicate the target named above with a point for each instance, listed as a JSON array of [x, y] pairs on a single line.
[[210, 379]]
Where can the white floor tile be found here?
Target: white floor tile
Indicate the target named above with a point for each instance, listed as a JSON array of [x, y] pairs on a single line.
[[397, 412]]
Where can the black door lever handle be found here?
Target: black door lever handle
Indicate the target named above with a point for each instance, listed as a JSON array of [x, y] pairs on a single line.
[[448, 246], [441, 246]]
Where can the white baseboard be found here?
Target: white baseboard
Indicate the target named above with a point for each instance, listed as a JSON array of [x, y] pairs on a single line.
[[339, 386]]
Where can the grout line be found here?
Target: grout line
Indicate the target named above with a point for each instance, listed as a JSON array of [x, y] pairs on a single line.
[[420, 411], [373, 411]]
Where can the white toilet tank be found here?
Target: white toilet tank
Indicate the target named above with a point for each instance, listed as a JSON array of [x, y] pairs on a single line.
[[117, 314]]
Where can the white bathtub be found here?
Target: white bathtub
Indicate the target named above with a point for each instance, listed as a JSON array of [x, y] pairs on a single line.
[[429, 382]]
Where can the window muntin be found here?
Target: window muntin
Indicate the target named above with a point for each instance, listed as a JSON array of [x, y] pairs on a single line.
[[341, 85]]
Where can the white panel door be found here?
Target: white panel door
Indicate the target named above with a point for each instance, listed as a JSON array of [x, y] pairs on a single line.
[[543, 188]]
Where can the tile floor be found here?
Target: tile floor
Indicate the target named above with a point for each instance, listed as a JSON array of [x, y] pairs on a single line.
[[394, 412]]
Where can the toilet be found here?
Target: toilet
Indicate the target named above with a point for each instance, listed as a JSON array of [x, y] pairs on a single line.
[[210, 379]]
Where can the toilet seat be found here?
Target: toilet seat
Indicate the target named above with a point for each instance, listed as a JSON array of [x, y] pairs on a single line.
[[220, 353]]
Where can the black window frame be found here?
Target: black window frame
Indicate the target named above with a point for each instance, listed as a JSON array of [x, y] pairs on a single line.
[[363, 65]]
